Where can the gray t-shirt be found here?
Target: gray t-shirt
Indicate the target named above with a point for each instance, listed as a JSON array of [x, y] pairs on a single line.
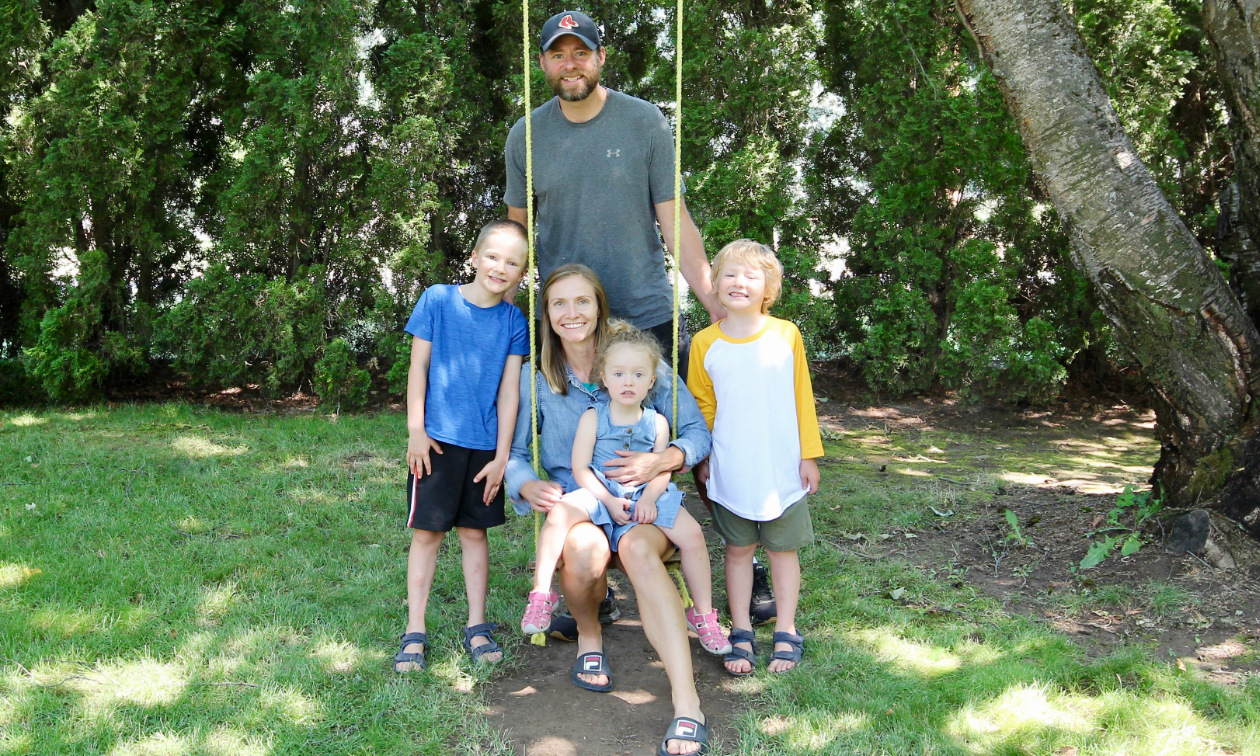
[[596, 184]]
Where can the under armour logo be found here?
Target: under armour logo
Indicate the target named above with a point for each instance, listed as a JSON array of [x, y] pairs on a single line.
[[568, 23], [614, 153]]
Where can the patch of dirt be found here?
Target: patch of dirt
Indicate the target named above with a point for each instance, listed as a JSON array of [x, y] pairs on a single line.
[[544, 714], [1207, 617], [1187, 610]]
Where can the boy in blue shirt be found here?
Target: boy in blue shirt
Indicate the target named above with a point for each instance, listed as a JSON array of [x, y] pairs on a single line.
[[463, 391]]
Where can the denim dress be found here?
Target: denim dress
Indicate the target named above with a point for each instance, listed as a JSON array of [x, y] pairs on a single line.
[[640, 437]]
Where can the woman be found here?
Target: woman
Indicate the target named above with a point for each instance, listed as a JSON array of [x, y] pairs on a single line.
[[576, 311]]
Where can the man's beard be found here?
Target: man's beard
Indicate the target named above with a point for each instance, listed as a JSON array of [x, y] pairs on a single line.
[[584, 90]]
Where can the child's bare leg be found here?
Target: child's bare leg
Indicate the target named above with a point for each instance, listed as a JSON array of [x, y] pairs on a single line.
[[694, 552], [562, 517], [739, 587], [476, 549], [421, 564], [785, 571]]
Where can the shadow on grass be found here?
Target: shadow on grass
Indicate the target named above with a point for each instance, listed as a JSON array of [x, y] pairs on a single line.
[[194, 582]]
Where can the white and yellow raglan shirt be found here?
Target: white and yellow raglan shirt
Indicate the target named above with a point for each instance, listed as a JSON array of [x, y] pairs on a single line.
[[756, 396]]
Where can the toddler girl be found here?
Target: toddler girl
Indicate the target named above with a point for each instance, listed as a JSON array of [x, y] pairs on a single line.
[[627, 368]]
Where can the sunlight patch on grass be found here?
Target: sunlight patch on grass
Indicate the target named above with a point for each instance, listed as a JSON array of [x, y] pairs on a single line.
[[293, 462], [193, 526], [293, 705], [226, 741], [147, 683], [915, 473], [909, 656], [1020, 716], [14, 575], [201, 448], [64, 622], [27, 421], [813, 730], [338, 657], [78, 417], [215, 603], [157, 744]]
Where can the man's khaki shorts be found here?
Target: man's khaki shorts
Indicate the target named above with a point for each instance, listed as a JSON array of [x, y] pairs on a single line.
[[787, 532]]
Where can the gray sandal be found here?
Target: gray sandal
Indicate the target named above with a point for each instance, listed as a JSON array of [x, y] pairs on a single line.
[[404, 657], [794, 654], [483, 629], [742, 636]]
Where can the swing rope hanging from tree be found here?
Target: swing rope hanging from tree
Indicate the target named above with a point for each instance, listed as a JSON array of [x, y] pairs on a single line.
[[675, 570]]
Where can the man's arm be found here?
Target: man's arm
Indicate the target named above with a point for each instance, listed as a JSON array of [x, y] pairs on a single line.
[[692, 261], [517, 214]]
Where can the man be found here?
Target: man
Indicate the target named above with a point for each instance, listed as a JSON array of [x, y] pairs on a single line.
[[604, 181]]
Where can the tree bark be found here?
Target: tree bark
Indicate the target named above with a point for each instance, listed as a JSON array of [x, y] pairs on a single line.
[[1232, 27], [1235, 244], [1169, 305]]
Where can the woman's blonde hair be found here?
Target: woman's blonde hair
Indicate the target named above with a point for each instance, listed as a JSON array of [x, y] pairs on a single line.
[[552, 362], [621, 333], [757, 255]]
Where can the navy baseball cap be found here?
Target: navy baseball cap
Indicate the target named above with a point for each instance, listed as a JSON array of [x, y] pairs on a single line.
[[576, 23]]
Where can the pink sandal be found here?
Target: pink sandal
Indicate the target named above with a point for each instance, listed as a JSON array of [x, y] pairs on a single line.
[[537, 617], [706, 627]]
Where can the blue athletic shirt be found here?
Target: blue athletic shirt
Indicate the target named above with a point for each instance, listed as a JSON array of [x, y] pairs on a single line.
[[470, 346]]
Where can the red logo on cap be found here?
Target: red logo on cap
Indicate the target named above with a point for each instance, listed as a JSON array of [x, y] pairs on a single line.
[[568, 23]]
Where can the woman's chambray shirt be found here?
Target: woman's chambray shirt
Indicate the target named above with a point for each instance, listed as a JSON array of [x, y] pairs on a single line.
[[558, 416]]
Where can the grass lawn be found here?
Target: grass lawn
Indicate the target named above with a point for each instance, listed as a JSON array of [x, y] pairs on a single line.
[[176, 580]]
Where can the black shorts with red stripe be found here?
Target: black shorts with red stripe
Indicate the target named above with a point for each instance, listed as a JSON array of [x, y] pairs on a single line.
[[448, 498]]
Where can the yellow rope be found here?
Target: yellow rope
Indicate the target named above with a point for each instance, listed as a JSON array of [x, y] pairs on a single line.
[[538, 639], [677, 198]]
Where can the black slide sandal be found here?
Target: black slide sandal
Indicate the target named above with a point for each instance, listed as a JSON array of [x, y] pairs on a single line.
[[592, 663], [404, 657], [688, 729]]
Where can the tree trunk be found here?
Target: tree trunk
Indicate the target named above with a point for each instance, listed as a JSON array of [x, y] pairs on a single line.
[[1236, 245], [1232, 27], [1169, 305]]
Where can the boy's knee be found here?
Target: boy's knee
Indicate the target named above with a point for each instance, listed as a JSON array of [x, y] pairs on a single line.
[[472, 535], [740, 552]]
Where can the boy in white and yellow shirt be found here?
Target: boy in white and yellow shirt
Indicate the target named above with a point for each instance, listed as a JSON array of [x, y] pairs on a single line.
[[751, 379]]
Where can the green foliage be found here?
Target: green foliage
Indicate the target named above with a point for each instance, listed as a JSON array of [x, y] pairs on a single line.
[[1015, 535], [75, 352], [326, 160], [338, 380], [947, 233], [1141, 506], [232, 330]]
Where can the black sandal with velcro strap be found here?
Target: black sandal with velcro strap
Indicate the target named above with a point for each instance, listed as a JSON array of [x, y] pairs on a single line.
[[476, 652], [794, 654], [739, 635], [410, 657]]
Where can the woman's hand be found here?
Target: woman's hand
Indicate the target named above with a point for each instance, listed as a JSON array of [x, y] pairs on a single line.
[[619, 510], [493, 473], [645, 512], [418, 446], [541, 495], [636, 468]]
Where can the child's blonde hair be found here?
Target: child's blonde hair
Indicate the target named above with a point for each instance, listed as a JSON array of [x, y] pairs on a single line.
[[621, 333], [757, 255]]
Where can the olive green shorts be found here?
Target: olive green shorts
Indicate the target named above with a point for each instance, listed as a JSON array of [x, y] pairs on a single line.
[[787, 532]]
